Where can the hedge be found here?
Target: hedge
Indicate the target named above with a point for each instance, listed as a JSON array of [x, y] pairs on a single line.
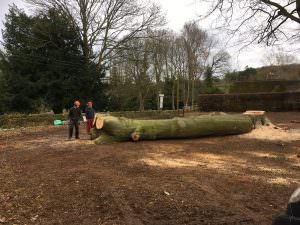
[[33, 120], [267, 86], [285, 101]]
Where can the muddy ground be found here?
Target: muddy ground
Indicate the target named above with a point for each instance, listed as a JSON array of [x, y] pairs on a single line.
[[45, 179]]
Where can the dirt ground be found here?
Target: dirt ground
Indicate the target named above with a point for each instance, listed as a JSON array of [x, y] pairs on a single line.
[[45, 179]]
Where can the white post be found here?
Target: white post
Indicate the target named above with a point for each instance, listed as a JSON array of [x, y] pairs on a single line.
[[161, 101]]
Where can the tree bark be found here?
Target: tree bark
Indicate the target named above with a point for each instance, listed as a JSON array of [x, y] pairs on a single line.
[[177, 94], [298, 7], [187, 101], [193, 92], [141, 102], [173, 93], [122, 129]]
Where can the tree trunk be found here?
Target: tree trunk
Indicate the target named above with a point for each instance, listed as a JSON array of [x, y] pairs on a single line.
[[85, 39], [183, 90], [122, 129], [177, 94], [298, 7], [187, 101], [193, 92], [141, 101], [158, 88], [173, 93]]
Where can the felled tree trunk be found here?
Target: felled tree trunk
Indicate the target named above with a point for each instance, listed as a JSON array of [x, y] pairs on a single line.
[[114, 129]]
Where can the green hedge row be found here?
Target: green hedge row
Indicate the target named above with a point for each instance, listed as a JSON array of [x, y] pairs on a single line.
[[287, 101], [265, 86], [20, 120]]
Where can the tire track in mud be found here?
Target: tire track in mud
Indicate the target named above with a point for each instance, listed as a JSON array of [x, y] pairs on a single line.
[[207, 187], [109, 178], [128, 213]]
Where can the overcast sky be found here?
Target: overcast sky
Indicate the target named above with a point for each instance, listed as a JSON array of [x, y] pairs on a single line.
[[4, 9], [178, 12]]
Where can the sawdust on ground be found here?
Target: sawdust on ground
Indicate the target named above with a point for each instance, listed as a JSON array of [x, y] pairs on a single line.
[[273, 133]]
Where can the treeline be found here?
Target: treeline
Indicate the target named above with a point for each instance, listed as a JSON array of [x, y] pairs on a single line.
[[271, 72], [180, 66], [113, 52]]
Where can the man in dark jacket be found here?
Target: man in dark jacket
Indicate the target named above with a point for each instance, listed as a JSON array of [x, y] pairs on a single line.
[[89, 114], [74, 117]]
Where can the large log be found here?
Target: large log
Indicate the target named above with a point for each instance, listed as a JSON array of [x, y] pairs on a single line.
[[113, 129]]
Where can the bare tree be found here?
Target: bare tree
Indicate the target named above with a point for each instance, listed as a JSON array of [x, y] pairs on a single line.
[[194, 41], [105, 25], [265, 19], [158, 47], [220, 63], [169, 63], [177, 58], [133, 63], [279, 57], [278, 64]]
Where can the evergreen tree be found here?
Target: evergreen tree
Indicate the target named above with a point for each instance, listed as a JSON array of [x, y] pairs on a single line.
[[248, 74], [3, 86], [45, 63], [209, 82]]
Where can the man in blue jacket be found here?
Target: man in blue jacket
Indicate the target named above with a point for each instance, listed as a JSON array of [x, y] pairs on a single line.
[[90, 115]]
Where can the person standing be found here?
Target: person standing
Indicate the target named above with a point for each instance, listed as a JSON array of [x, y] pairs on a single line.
[[74, 118], [90, 115]]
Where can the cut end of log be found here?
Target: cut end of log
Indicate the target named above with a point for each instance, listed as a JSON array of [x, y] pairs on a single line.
[[98, 122], [135, 137]]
